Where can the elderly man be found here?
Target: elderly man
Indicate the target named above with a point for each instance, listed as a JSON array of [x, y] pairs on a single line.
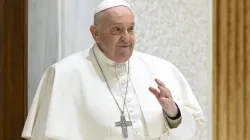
[[108, 91]]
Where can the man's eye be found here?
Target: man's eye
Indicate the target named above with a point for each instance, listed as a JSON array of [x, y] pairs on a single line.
[[131, 29], [116, 30]]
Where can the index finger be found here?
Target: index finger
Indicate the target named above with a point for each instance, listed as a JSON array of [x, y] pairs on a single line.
[[159, 82]]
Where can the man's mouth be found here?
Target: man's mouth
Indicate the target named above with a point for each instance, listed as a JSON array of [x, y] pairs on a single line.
[[124, 46]]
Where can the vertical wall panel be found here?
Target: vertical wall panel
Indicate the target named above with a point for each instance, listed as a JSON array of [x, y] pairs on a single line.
[[231, 70]]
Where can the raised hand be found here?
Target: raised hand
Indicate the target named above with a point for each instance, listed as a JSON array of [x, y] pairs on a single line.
[[164, 97]]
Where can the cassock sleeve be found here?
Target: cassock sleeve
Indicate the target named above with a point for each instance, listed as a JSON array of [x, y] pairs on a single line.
[[192, 118], [174, 121]]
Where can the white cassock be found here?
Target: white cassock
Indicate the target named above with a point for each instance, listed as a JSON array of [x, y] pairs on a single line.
[[73, 102]]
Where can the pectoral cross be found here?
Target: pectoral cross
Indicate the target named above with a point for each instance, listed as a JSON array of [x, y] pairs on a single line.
[[124, 124]]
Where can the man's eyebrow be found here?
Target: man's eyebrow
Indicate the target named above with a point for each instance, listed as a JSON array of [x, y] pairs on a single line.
[[113, 24]]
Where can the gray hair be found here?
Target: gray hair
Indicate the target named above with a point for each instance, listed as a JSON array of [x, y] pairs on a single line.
[[97, 18]]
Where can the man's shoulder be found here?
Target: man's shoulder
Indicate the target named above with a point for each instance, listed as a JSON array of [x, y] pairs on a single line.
[[157, 64], [151, 59], [72, 63], [73, 60]]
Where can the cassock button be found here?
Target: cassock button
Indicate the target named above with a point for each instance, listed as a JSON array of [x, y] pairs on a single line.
[[128, 100], [118, 65], [136, 130], [123, 83], [121, 74]]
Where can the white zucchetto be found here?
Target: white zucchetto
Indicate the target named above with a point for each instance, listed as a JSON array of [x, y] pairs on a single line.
[[106, 4]]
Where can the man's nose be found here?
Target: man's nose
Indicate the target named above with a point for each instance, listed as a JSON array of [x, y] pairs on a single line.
[[125, 36]]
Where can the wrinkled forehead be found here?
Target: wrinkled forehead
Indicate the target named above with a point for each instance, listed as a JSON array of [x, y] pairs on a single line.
[[116, 14]]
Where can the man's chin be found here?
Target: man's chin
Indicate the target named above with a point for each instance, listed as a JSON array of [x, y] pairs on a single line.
[[124, 55], [123, 59]]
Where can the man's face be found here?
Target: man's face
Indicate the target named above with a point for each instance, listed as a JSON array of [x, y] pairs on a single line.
[[116, 33]]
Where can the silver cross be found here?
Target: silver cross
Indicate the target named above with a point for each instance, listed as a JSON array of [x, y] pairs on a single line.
[[124, 124]]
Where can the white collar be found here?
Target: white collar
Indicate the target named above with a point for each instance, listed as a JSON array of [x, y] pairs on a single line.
[[102, 57]]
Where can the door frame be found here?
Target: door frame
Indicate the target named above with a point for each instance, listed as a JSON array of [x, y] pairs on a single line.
[[13, 67]]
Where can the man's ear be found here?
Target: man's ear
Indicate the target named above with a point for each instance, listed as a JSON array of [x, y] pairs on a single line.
[[95, 33]]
